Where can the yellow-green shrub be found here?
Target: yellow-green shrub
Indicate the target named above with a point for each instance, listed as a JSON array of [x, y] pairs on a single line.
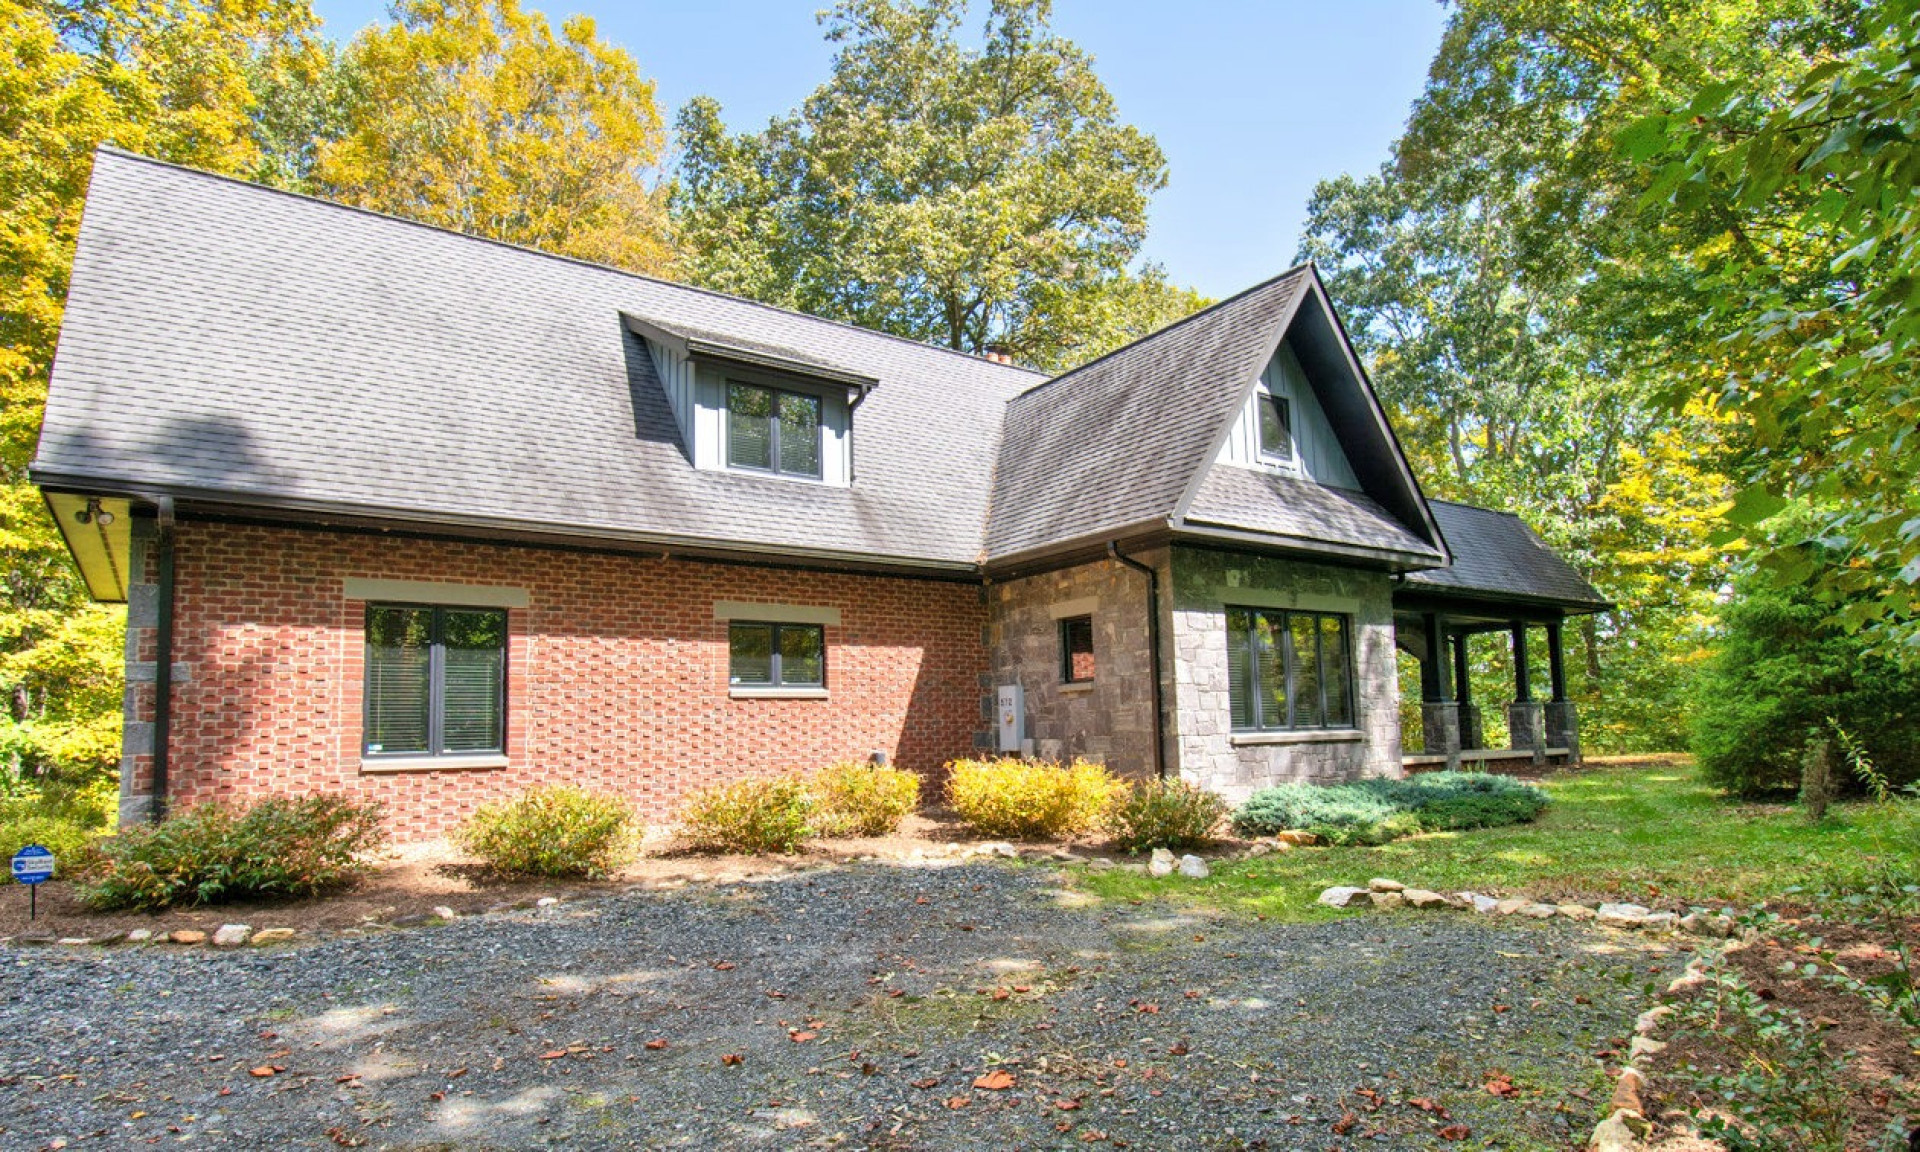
[[771, 814], [1169, 814], [552, 831], [853, 798], [1030, 799]]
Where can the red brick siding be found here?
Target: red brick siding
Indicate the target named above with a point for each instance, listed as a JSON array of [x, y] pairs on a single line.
[[617, 672]]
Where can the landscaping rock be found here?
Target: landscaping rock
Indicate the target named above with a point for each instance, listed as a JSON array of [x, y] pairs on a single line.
[[76, 941], [1511, 905], [1381, 884], [268, 936], [1296, 837], [1660, 922], [1627, 1090], [1540, 911], [1194, 868], [1100, 864], [140, 936], [442, 912], [1477, 902], [1616, 1133], [187, 936], [1577, 912], [1421, 898], [996, 848], [1345, 897], [1162, 863], [232, 935], [1388, 900], [1622, 915], [35, 938], [546, 902], [1642, 1046], [1649, 1021]]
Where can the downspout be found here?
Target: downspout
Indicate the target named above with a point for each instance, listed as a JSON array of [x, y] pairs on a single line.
[[163, 658], [1153, 654]]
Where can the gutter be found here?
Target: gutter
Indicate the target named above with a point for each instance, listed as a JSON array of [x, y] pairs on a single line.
[[163, 658], [1153, 650]]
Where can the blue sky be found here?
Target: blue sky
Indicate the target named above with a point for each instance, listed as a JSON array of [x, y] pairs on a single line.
[[1252, 101]]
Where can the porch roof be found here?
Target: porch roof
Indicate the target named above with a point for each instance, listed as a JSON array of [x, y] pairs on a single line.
[[1497, 558]]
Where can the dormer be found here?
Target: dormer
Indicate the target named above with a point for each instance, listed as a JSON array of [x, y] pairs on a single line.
[[753, 408], [1283, 429]]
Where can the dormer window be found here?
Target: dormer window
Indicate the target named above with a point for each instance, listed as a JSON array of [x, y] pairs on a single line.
[[772, 430], [1276, 429]]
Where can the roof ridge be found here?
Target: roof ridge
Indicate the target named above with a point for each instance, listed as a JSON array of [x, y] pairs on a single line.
[[565, 259], [1474, 507], [1158, 332]]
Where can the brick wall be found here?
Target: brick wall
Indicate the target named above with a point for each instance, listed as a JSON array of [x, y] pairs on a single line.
[[617, 673]]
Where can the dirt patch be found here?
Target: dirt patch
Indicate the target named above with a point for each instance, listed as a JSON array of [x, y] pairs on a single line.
[[412, 880], [1877, 1059]]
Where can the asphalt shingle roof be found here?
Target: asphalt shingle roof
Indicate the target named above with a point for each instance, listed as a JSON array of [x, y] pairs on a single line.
[[227, 339], [1116, 442], [1496, 554], [1235, 497]]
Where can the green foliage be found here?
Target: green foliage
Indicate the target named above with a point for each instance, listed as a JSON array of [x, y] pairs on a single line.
[[1381, 810], [1031, 799], [1170, 814], [855, 798], [214, 854], [1791, 210], [552, 831], [68, 829], [770, 814], [1783, 671], [965, 195]]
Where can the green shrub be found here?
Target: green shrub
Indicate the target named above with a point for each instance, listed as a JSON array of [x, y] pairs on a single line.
[[1169, 814], [1781, 670], [215, 853], [552, 831], [1381, 810], [1031, 799], [771, 814], [853, 798]]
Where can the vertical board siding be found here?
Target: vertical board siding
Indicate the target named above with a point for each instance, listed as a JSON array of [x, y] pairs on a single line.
[[676, 375], [709, 392], [1317, 448]]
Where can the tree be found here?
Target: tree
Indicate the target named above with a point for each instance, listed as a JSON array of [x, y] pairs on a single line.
[[1797, 205], [474, 115], [965, 196], [166, 77]]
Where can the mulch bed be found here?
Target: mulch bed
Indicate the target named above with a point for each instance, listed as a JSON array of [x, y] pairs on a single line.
[[1882, 1071]]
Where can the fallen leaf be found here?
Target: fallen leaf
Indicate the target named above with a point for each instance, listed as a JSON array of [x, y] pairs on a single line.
[[1503, 1008], [1149, 1009], [955, 1103], [265, 1070], [456, 1073], [731, 1059], [1502, 1086], [1066, 1105], [802, 1037], [1454, 1132], [921, 900], [1345, 1124], [1179, 1049], [723, 966], [998, 1080], [1000, 993], [654, 1045], [436, 1097], [556, 1054], [345, 1138], [929, 1082], [1433, 1106]]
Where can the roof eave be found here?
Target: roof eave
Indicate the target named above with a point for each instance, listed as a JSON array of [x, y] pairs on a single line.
[[1392, 559]]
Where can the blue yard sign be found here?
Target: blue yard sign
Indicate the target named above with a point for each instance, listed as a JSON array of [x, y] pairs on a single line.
[[32, 866]]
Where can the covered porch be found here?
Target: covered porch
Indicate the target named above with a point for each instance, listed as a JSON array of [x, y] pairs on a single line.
[[1505, 588]]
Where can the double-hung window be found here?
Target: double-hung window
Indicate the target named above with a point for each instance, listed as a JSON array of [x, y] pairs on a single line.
[[1290, 670], [436, 681], [776, 655], [771, 430]]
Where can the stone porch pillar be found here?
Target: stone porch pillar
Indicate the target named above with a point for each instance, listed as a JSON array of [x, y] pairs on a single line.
[[1472, 732], [1526, 719], [1439, 714], [1562, 717]]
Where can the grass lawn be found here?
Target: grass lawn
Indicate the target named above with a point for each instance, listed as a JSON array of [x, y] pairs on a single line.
[[1650, 833]]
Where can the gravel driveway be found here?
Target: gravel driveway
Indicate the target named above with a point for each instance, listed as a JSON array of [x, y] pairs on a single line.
[[852, 1008]]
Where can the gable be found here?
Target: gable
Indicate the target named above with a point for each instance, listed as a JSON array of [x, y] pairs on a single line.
[[1318, 454]]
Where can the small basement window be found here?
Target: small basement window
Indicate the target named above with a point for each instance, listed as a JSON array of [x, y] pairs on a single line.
[[770, 430], [436, 681], [776, 655], [1076, 649], [1276, 428]]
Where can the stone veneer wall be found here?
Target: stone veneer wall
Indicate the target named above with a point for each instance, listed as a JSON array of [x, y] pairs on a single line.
[[1110, 719], [1205, 582]]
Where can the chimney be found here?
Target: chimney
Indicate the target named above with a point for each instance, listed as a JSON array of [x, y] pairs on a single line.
[[997, 353]]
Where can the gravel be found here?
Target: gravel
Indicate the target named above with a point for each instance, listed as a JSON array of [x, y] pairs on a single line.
[[854, 1008]]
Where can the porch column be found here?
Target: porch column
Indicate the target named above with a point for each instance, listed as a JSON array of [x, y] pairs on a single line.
[[1471, 733], [1563, 719], [1525, 718], [1439, 715]]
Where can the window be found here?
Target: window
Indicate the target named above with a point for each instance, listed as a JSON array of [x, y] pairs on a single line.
[[1276, 428], [776, 656], [773, 431], [436, 681], [1076, 649], [1289, 669]]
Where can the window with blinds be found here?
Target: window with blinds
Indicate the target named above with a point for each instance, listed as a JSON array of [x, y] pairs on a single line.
[[776, 655], [1289, 670], [436, 681], [769, 430]]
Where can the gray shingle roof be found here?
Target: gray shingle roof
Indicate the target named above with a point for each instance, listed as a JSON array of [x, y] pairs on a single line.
[[1496, 554], [1235, 497], [1116, 443], [227, 339]]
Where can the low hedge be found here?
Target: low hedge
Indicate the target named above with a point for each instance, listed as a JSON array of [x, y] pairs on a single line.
[[553, 831], [1170, 814], [766, 814], [1377, 811], [855, 798], [1031, 799]]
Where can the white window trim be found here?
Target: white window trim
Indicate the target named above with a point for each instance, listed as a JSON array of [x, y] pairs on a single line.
[[1067, 609], [482, 760], [767, 692], [1290, 463], [755, 613], [433, 592]]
